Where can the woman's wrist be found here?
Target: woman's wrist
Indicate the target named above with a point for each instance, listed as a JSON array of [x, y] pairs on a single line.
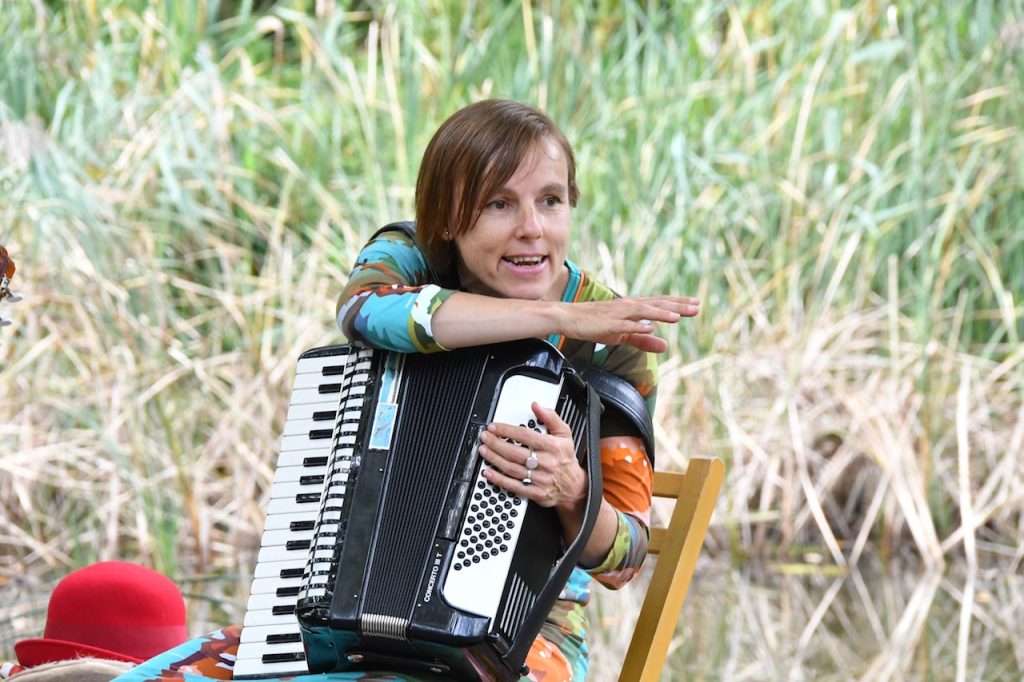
[[552, 315]]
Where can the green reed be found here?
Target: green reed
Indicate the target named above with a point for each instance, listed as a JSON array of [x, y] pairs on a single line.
[[185, 186]]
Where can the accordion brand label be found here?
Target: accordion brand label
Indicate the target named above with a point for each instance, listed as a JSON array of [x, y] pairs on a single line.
[[385, 415]]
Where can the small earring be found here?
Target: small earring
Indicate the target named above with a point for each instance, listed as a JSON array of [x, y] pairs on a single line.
[[447, 234]]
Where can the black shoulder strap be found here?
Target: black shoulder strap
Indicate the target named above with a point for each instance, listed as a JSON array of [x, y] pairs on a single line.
[[406, 226], [621, 400]]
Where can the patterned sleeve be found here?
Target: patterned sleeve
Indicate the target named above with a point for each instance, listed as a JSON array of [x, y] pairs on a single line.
[[627, 474], [628, 482], [389, 300]]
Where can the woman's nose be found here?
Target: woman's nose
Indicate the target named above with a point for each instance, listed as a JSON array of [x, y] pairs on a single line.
[[530, 226]]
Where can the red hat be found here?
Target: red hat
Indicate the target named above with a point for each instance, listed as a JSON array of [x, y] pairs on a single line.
[[113, 610]]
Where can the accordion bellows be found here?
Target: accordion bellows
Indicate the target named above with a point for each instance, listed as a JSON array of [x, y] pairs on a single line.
[[385, 548]]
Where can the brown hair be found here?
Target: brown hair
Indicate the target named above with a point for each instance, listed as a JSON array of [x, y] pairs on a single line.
[[469, 158]]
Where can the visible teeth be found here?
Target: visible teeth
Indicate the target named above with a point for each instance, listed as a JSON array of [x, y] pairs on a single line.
[[525, 260]]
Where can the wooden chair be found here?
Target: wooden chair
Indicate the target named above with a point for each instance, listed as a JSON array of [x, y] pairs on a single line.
[[677, 546]]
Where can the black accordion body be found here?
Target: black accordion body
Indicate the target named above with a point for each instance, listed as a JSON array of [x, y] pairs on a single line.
[[385, 548]]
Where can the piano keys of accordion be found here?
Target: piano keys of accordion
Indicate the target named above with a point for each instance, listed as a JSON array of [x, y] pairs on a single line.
[[324, 365], [270, 650], [253, 668]]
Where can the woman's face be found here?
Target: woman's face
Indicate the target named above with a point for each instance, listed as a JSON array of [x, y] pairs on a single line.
[[518, 245]]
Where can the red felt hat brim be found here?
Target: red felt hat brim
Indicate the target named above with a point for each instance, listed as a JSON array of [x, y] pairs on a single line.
[[33, 652]]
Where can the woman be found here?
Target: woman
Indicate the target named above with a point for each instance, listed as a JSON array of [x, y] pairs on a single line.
[[488, 263]]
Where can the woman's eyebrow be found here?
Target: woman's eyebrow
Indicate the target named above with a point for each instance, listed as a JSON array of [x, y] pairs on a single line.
[[550, 188], [554, 188]]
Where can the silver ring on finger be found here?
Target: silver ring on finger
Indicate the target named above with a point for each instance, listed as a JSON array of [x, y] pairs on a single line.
[[528, 480], [532, 462]]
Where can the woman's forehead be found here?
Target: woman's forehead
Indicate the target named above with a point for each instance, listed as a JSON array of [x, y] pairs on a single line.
[[542, 152]]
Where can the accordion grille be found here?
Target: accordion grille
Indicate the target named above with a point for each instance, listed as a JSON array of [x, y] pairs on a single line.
[[425, 456], [576, 419]]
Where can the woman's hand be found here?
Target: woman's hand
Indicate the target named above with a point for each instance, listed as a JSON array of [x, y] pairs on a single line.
[[543, 468], [538, 466], [627, 320]]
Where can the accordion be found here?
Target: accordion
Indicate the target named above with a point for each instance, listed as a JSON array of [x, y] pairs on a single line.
[[384, 546]]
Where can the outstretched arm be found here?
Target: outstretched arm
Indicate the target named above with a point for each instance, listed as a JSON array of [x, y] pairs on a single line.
[[390, 302], [469, 320]]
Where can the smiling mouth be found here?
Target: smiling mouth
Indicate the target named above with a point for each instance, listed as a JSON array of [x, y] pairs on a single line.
[[525, 261]]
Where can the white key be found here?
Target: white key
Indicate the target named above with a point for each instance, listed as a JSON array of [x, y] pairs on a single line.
[[260, 602], [299, 427], [259, 633], [279, 553], [305, 396], [306, 411], [272, 585], [304, 442], [295, 458], [253, 668], [288, 505], [317, 365], [284, 521], [250, 668], [272, 569], [267, 617], [294, 474], [278, 538], [313, 380], [326, 535], [256, 650], [291, 489]]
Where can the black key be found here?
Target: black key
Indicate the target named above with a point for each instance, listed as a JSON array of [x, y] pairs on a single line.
[[283, 609], [296, 544], [311, 480], [314, 462], [296, 526], [325, 416], [288, 591], [291, 573], [303, 498], [329, 388], [285, 638], [284, 658]]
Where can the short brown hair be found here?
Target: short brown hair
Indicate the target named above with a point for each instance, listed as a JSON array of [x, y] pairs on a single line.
[[469, 158]]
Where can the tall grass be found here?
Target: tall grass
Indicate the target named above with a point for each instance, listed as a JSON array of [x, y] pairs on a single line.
[[185, 184]]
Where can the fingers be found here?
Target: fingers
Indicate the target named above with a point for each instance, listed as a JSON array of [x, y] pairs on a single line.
[[668, 308], [550, 419], [509, 464], [648, 343], [508, 449]]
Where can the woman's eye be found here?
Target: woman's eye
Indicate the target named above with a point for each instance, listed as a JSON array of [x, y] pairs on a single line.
[[551, 201], [499, 204]]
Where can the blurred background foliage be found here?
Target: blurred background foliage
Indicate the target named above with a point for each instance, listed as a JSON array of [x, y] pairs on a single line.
[[184, 186]]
